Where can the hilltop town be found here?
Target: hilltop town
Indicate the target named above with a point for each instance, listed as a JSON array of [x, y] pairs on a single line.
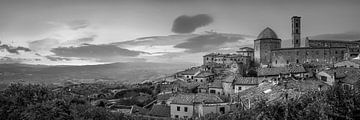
[[229, 82]]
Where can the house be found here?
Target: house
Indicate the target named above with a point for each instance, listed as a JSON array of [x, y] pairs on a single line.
[[189, 73], [186, 106], [216, 87], [355, 63], [204, 77], [346, 77], [243, 83], [203, 88]]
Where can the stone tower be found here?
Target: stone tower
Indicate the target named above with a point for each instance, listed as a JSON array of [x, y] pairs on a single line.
[[266, 41], [296, 30]]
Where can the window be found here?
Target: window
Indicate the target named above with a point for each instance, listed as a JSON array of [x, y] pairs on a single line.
[[287, 62], [296, 24], [323, 78], [239, 88], [178, 108], [336, 52], [185, 117], [185, 109], [176, 116], [212, 91], [201, 80], [297, 61], [222, 110], [275, 61], [297, 31]]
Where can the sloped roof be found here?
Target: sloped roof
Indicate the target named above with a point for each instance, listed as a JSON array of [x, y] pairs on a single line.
[[281, 70], [139, 110], [189, 99], [216, 84], [267, 33], [165, 96], [160, 111], [346, 75], [204, 74], [246, 81]]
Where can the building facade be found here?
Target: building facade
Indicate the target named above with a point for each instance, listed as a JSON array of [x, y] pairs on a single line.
[[266, 41]]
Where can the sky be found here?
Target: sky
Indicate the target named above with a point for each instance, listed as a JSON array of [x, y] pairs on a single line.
[[108, 30]]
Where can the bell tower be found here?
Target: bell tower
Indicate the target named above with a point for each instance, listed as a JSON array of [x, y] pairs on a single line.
[[296, 31]]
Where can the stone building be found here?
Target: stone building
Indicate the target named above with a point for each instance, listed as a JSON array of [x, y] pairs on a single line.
[[266, 41], [226, 59], [268, 51], [186, 106]]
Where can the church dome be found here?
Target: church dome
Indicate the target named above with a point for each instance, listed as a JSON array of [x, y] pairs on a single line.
[[267, 33]]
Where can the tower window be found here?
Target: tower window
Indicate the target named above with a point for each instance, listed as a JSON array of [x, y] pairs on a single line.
[[297, 61], [296, 24], [287, 62], [296, 30]]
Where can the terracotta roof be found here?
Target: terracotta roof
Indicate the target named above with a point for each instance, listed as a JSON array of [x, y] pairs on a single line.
[[189, 99], [138, 110], [203, 74], [165, 96], [267, 33], [281, 70], [160, 111], [216, 84], [246, 81], [345, 75]]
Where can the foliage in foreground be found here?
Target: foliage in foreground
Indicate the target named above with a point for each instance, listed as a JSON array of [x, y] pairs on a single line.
[[36, 102]]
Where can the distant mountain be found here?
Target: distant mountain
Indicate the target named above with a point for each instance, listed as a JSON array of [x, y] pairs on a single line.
[[116, 72]]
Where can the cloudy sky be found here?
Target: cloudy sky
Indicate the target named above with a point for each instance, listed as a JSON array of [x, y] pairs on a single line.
[[164, 30]]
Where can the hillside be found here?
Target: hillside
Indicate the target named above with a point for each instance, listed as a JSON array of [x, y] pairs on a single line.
[[116, 72]]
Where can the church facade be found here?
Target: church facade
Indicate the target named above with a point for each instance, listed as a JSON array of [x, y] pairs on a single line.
[[268, 52]]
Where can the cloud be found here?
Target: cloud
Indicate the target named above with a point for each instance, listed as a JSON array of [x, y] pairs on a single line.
[[207, 42], [94, 51], [12, 49], [78, 24], [188, 24], [338, 36]]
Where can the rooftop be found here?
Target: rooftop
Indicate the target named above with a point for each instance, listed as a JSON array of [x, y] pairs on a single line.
[[301, 48], [345, 74], [160, 111], [190, 99], [216, 84], [247, 81], [267, 33], [281, 70], [203, 74]]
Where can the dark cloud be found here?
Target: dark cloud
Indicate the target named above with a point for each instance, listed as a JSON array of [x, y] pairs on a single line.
[[207, 42], [12, 49], [94, 51], [188, 24], [338, 36], [78, 24]]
